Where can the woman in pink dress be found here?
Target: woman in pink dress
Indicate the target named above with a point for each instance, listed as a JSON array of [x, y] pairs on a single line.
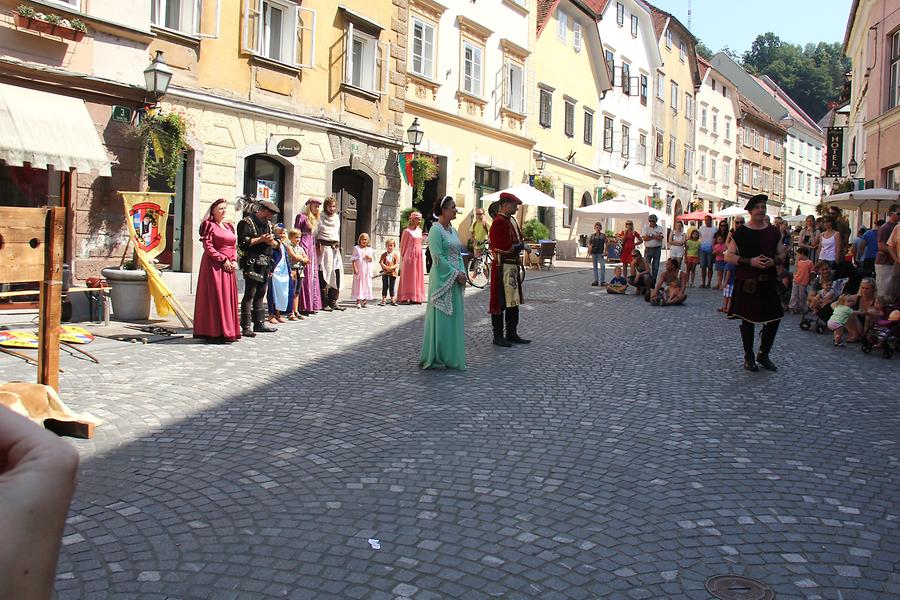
[[216, 317], [411, 288], [310, 299]]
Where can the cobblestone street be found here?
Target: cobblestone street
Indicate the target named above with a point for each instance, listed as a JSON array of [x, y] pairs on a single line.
[[623, 454]]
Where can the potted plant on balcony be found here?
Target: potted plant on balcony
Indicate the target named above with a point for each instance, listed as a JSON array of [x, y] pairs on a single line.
[[71, 29], [129, 291], [28, 18]]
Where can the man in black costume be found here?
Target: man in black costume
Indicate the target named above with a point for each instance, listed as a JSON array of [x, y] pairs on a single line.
[[757, 250], [256, 239]]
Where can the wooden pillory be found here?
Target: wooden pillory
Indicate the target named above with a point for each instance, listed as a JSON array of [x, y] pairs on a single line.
[[31, 249]]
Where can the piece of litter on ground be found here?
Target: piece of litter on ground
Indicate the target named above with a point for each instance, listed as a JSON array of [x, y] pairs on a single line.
[[376, 545]]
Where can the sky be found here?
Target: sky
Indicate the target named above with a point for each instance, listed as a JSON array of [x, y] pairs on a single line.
[[736, 23]]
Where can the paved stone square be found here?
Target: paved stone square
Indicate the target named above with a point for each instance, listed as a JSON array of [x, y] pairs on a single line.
[[624, 454]]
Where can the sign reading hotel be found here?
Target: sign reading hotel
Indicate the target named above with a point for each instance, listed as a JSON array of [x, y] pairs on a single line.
[[834, 158]]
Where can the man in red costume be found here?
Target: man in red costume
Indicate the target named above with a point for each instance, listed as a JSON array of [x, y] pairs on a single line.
[[506, 244]]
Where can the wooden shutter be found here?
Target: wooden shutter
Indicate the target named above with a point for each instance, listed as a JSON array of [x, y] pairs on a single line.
[[212, 34], [505, 83], [306, 37], [348, 53], [250, 37], [382, 61]]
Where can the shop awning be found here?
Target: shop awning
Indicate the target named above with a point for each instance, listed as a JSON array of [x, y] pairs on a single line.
[[46, 129]]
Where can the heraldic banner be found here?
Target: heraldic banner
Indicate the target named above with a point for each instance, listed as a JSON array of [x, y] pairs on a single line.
[[145, 217]]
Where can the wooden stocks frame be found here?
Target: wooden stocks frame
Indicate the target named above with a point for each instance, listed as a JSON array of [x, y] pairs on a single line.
[[31, 249]]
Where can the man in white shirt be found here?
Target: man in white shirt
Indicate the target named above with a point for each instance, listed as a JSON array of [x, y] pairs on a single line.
[[653, 236], [707, 237]]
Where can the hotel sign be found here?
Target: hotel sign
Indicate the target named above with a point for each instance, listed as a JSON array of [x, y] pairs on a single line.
[[835, 156]]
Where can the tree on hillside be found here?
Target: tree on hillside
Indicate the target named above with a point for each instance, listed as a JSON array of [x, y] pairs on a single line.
[[703, 50], [811, 75]]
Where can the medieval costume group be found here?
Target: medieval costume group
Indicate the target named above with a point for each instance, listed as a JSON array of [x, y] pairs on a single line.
[[291, 274], [298, 273]]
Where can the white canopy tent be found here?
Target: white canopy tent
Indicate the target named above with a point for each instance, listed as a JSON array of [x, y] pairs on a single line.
[[871, 200], [731, 211], [795, 219], [620, 209], [528, 195]]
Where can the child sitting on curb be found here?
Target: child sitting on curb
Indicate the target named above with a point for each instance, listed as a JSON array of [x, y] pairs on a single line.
[[618, 284]]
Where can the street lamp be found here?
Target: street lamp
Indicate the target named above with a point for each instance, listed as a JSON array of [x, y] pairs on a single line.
[[157, 77], [655, 189], [852, 166], [414, 134], [606, 177], [540, 162]]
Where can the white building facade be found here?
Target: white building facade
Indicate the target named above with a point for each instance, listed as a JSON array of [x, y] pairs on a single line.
[[625, 118], [804, 155], [716, 137], [468, 77]]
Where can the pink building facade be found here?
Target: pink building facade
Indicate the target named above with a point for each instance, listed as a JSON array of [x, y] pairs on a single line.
[[872, 42]]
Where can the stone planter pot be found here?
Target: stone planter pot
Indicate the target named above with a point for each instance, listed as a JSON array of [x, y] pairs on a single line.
[[130, 294]]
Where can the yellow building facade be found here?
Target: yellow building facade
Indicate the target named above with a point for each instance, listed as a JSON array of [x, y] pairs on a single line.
[[674, 113], [567, 102], [288, 100]]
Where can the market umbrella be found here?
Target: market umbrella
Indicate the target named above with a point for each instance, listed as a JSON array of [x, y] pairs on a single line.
[[617, 208], [874, 199], [697, 215], [731, 211], [528, 195], [795, 219]]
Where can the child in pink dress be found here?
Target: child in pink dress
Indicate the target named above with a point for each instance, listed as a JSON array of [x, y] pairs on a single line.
[[362, 271]]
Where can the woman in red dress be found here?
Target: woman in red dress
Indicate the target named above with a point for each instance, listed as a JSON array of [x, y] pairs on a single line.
[[216, 317], [630, 238]]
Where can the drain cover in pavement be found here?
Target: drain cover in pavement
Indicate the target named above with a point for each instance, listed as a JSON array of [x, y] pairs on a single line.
[[735, 587]]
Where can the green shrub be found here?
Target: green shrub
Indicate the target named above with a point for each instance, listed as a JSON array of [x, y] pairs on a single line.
[[533, 230]]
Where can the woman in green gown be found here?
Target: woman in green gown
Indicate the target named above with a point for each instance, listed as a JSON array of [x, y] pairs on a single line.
[[444, 345]]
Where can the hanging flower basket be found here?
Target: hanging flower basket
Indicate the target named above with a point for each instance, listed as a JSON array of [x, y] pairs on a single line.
[[163, 138]]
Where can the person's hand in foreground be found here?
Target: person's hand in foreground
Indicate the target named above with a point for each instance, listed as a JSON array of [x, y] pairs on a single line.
[[37, 480]]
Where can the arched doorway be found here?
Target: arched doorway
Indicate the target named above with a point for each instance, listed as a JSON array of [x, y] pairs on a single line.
[[353, 191], [264, 179]]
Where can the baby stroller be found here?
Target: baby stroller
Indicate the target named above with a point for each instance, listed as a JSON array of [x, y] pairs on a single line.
[[883, 335], [820, 318]]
